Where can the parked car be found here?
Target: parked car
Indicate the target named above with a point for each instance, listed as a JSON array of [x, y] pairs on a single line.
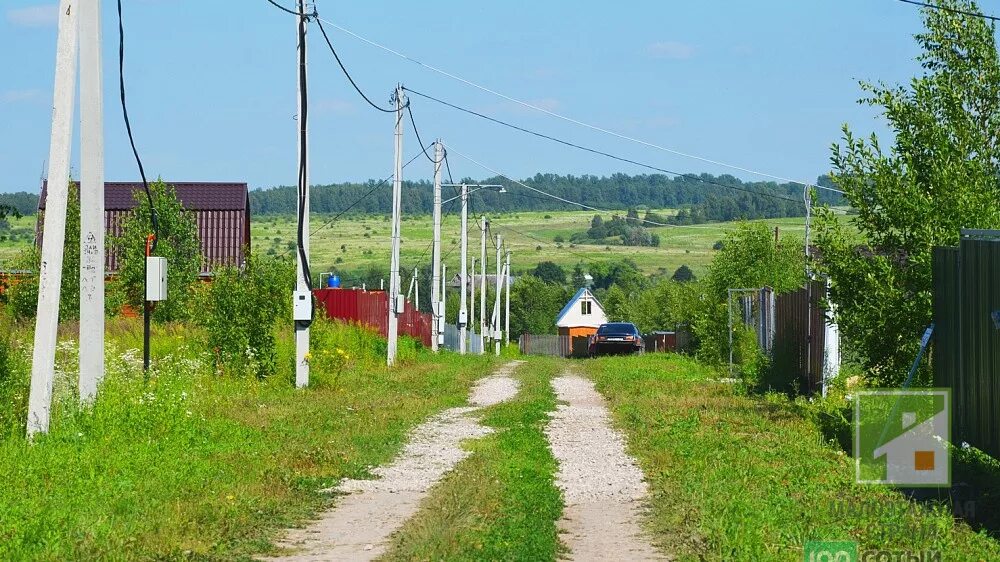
[[616, 337]]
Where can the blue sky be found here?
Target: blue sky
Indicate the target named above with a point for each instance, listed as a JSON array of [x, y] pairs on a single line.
[[763, 85]]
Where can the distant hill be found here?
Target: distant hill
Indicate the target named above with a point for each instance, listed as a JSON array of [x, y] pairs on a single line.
[[704, 201], [25, 203]]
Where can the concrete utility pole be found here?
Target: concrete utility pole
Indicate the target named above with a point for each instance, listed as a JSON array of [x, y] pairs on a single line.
[[436, 312], [472, 297], [395, 303], [506, 316], [50, 272], [440, 320], [496, 306], [482, 282], [416, 288], [463, 315], [91, 201], [302, 167]]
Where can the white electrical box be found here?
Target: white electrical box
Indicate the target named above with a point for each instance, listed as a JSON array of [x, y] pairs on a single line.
[[441, 310], [441, 324], [156, 279], [463, 317], [400, 304], [302, 307]]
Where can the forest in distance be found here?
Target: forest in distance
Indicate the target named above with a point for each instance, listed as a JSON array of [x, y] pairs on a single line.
[[702, 199]]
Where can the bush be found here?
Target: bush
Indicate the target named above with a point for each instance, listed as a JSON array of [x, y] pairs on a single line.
[[178, 243], [240, 311]]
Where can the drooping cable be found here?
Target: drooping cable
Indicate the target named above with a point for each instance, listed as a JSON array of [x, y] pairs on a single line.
[[559, 116], [348, 74], [952, 10], [605, 154], [290, 11], [303, 180], [417, 133], [153, 219]]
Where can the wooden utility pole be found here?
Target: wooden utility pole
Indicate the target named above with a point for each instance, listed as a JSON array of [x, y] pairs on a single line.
[[50, 268], [91, 200], [302, 284], [395, 303]]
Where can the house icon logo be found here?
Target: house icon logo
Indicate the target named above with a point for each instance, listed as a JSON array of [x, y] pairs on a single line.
[[901, 437]]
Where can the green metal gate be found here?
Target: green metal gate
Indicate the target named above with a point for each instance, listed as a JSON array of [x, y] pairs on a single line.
[[966, 356]]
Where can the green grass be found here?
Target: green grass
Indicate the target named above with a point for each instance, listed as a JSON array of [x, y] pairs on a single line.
[[679, 246], [501, 502], [193, 465], [736, 477], [531, 229], [19, 235]]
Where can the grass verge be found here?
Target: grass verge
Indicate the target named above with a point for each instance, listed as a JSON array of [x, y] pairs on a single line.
[[194, 465], [501, 502], [735, 477]]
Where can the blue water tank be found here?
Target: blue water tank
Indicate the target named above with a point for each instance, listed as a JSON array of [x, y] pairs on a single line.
[[333, 282]]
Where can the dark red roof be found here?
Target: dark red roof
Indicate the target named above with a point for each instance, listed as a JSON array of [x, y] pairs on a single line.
[[194, 196]]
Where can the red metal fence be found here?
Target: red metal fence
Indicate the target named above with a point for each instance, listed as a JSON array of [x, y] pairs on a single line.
[[371, 308]]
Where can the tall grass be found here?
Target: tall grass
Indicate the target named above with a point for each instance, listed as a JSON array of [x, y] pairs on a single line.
[[197, 463]]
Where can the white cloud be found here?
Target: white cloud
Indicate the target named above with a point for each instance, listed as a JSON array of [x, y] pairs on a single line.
[[16, 96], [44, 15], [670, 50]]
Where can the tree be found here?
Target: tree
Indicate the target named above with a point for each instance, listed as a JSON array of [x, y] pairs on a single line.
[[939, 175], [23, 296], [178, 242], [632, 217], [616, 304], [683, 274], [550, 272], [596, 222], [578, 279], [534, 305]]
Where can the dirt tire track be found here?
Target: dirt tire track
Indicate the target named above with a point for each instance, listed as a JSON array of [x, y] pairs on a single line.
[[359, 527]]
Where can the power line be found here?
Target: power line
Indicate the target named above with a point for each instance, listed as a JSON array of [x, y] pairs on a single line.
[[606, 154], [417, 133], [952, 10], [564, 200], [290, 11], [560, 116], [153, 219], [348, 74]]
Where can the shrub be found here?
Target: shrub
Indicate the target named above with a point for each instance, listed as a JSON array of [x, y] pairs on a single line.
[[240, 311], [178, 243]]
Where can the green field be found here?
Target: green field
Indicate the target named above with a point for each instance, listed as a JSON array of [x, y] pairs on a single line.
[[363, 241], [529, 235]]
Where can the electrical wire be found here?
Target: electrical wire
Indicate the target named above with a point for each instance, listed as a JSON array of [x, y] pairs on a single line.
[[559, 116], [952, 10], [293, 12], [303, 180], [602, 153], [348, 74], [564, 200], [417, 133], [153, 219]]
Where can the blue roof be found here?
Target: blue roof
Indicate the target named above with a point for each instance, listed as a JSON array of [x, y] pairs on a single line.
[[569, 305]]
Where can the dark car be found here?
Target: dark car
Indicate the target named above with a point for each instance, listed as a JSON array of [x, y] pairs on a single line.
[[616, 337]]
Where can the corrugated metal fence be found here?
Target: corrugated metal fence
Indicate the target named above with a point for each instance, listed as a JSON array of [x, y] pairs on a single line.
[[554, 345], [966, 355], [371, 308], [795, 326]]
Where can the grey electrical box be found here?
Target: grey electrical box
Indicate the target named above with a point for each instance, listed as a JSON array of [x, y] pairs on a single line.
[[400, 304], [302, 307], [156, 279]]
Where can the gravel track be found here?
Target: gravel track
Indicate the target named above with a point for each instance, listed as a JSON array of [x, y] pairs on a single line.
[[602, 486], [359, 527]]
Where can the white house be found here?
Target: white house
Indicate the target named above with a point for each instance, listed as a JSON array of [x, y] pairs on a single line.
[[918, 456], [581, 316]]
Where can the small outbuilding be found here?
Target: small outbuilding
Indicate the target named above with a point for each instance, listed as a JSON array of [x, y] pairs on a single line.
[[581, 316]]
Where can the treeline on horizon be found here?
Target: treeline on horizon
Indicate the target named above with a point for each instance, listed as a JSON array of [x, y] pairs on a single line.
[[703, 201]]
